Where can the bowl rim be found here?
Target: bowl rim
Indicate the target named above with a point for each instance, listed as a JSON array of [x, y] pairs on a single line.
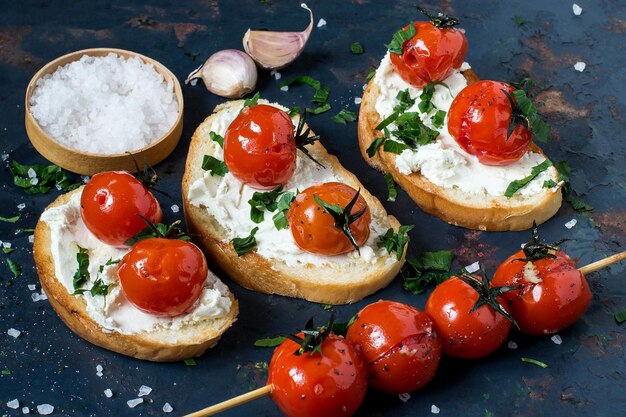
[[55, 63]]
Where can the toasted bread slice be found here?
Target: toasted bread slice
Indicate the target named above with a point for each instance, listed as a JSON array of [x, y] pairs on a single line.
[[159, 344], [454, 206], [331, 283]]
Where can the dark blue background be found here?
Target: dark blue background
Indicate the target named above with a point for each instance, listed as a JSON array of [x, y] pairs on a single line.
[[586, 374]]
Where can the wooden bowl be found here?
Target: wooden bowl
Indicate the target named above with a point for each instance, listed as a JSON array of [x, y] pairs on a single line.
[[91, 163]]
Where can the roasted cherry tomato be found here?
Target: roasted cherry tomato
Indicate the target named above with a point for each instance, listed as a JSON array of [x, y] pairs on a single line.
[[330, 384], [163, 277], [554, 293], [259, 147], [432, 53], [110, 204], [315, 230], [398, 344], [464, 334], [479, 120]]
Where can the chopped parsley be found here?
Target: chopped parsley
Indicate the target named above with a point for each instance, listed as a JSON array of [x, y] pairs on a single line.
[[244, 245], [412, 131], [516, 185], [46, 177], [7, 250], [525, 114], [535, 362], [341, 328], [356, 48], [81, 276], [391, 187], [14, 267], [270, 341], [217, 138], [620, 317], [294, 111], [320, 97], [427, 269], [344, 116], [10, 219], [370, 74], [190, 362], [438, 119], [395, 242], [518, 20], [401, 36], [252, 101], [549, 184], [214, 166], [261, 201], [280, 218]]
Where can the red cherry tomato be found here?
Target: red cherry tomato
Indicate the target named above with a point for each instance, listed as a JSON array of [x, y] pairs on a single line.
[[163, 277], [259, 147], [554, 293], [430, 55], [110, 203], [332, 384], [314, 230], [479, 120], [399, 345], [464, 334]]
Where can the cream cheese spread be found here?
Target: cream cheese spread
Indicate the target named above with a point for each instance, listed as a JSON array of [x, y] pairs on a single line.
[[226, 199], [114, 312], [444, 162]]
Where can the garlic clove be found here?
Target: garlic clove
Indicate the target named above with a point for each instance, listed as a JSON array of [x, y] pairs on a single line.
[[275, 50], [228, 73]]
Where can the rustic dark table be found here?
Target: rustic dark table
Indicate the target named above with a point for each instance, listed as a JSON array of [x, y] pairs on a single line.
[[586, 374]]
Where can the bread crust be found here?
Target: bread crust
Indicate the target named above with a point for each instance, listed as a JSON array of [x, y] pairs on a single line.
[[445, 204], [146, 346], [257, 273]]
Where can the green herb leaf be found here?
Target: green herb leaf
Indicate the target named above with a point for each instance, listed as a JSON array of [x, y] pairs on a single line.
[[81, 276], [214, 166], [391, 187], [525, 113], [519, 20], [535, 362], [280, 218], [344, 116], [7, 250], [10, 219], [321, 93], [516, 185], [341, 328], [99, 288], [412, 131], [374, 146], [245, 244], [263, 201], [293, 111], [158, 230], [394, 146], [356, 48], [6, 372], [270, 341], [111, 261], [14, 267], [190, 362], [192, 55], [217, 138], [620, 317], [395, 242], [426, 104], [370, 75], [401, 36], [320, 109], [549, 184], [438, 119], [47, 176], [429, 268], [252, 101]]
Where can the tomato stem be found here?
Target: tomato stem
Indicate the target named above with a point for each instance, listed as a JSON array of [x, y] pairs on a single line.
[[343, 217], [303, 137], [313, 337], [536, 249], [439, 19]]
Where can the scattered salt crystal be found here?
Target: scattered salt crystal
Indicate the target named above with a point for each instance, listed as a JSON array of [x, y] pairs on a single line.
[[6, 244], [45, 409], [32, 287], [14, 404], [580, 66], [404, 397], [144, 390], [21, 206], [284, 88], [99, 369], [357, 100], [577, 9], [175, 208], [5, 156], [43, 295], [14, 332], [473, 267], [86, 179], [277, 75], [512, 345], [434, 409], [523, 245], [167, 408], [31, 239], [32, 173], [321, 23], [571, 223], [38, 297], [364, 87], [556, 339], [193, 82], [128, 96], [34, 181], [134, 403], [108, 393], [25, 410]]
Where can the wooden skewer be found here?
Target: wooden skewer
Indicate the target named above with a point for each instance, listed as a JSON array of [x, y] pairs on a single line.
[[233, 402], [602, 263]]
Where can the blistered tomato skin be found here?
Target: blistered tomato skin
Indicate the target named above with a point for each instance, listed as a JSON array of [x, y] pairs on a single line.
[[430, 55], [259, 147], [314, 230], [163, 277], [554, 294], [464, 334], [332, 384], [398, 344], [110, 204], [479, 120]]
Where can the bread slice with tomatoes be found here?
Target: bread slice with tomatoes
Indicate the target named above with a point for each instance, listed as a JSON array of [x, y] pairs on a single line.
[[218, 211], [168, 340], [439, 174]]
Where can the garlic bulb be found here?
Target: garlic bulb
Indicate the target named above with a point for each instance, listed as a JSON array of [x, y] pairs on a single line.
[[229, 73], [275, 50]]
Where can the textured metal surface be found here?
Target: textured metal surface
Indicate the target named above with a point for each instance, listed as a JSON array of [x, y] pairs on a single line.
[[586, 373]]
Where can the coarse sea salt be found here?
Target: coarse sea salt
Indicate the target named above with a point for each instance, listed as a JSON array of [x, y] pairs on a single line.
[[556, 339], [434, 409], [577, 9], [105, 105], [404, 397], [321, 23], [108, 393], [45, 409], [134, 403], [167, 408], [25, 410], [473, 267], [14, 332], [571, 223], [580, 66], [14, 404], [144, 390]]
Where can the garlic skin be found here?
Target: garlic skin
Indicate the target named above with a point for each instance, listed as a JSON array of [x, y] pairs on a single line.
[[228, 73], [276, 50]]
